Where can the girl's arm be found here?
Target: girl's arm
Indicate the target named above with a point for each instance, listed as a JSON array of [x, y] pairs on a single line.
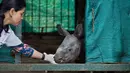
[[28, 51], [13, 41]]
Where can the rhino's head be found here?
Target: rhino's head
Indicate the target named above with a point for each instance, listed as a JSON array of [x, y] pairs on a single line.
[[69, 49]]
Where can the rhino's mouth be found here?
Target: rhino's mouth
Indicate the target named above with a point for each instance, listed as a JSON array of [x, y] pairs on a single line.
[[64, 60]]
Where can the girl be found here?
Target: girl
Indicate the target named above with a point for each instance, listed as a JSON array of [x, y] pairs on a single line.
[[11, 12]]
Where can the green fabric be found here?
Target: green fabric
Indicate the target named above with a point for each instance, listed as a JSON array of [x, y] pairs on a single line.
[[125, 23], [110, 40], [5, 55]]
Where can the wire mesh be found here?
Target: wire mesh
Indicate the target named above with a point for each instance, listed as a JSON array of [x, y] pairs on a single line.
[[44, 15]]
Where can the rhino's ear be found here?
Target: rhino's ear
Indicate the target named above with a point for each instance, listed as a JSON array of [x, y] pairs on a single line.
[[79, 31], [62, 31]]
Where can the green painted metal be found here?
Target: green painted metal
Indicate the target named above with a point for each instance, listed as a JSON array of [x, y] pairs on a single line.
[[65, 67]]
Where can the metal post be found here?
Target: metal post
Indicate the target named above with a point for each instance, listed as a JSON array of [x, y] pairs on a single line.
[[18, 32]]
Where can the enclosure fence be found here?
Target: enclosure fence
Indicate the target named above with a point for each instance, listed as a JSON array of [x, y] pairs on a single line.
[[43, 15]]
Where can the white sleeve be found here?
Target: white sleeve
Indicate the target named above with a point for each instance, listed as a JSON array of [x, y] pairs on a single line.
[[12, 39]]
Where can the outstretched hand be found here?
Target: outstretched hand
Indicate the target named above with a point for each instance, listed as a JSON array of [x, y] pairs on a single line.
[[50, 58]]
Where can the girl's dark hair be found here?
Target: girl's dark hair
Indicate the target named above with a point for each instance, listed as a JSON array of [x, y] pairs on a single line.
[[5, 6]]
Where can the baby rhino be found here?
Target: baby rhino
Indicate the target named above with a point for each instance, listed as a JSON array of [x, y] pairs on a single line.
[[69, 49]]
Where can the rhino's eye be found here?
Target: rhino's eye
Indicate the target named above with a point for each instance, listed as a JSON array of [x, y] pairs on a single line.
[[70, 49]]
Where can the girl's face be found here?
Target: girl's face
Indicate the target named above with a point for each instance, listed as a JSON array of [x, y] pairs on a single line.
[[17, 17]]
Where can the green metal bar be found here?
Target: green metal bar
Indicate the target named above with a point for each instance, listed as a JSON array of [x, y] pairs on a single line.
[[54, 3], [65, 67], [39, 15], [61, 9], [46, 14]]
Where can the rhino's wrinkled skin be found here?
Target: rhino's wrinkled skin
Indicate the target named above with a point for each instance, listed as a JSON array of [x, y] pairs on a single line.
[[69, 49]]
